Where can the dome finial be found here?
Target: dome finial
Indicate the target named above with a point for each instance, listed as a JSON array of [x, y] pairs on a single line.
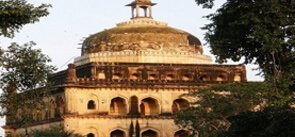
[[146, 5]]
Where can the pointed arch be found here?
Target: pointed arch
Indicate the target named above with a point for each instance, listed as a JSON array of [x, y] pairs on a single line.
[[118, 106], [150, 133], [60, 105], [149, 106], [118, 133], [51, 108], [179, 104]]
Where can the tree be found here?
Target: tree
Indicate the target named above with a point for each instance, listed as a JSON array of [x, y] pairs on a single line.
[[257, 31], [271, 122], [54, 131], [221, 109], [14, 14], [260, 32], [23, 77], [217, 103]]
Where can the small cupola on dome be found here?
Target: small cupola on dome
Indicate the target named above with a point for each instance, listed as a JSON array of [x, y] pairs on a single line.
[[145, 5]]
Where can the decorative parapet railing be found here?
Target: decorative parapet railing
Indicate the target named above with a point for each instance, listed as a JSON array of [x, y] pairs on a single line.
[[144, 57], [142, 22]]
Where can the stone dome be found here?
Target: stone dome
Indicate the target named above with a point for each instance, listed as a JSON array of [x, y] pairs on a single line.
[[142, 40], [142, 34]]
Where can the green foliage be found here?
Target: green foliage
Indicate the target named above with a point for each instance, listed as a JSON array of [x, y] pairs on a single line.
[[272, 122], [24, 67], [16, 13], [54, 131], [216, 104], [23, 71], [258, 31], [205, 3]]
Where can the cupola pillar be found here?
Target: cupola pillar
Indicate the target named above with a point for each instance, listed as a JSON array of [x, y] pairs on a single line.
[[144, 5]]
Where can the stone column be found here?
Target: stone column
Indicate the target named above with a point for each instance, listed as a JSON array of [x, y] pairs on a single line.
[[137, 11], [132, 12], [145, 12], [93, 71], [71, 74]]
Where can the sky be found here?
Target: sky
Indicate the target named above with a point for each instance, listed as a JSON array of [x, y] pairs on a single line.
[[60, 34]]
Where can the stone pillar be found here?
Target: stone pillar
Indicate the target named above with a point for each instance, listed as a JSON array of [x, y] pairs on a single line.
[[137, 11], [93, 71], [132, 12], [145, 12]]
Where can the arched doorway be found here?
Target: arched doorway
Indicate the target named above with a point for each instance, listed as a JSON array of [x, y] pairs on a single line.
[[149, 133], [181, 133], [179, 104], [118, 106], [118, 133], [149, 106]]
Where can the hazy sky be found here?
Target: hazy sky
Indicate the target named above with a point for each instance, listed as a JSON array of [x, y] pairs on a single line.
[[59, 35]]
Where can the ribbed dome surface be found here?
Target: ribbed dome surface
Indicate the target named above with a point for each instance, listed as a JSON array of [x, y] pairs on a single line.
[[141, 35]]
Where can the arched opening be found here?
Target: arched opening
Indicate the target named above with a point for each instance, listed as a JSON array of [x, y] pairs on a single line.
[[43, 114], [220, 78], [135, 76], [118, 133], [101, 75], [186, 77], [179, 104], [61, 105], [134, 106], [118, 106], [90, 135], [237, 78], [169, 77], [142, 12], [149, 106], [181, 133], [91, 105], [117, 76], [51, 109], [149, 133], [153, 77], [205, 78]]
